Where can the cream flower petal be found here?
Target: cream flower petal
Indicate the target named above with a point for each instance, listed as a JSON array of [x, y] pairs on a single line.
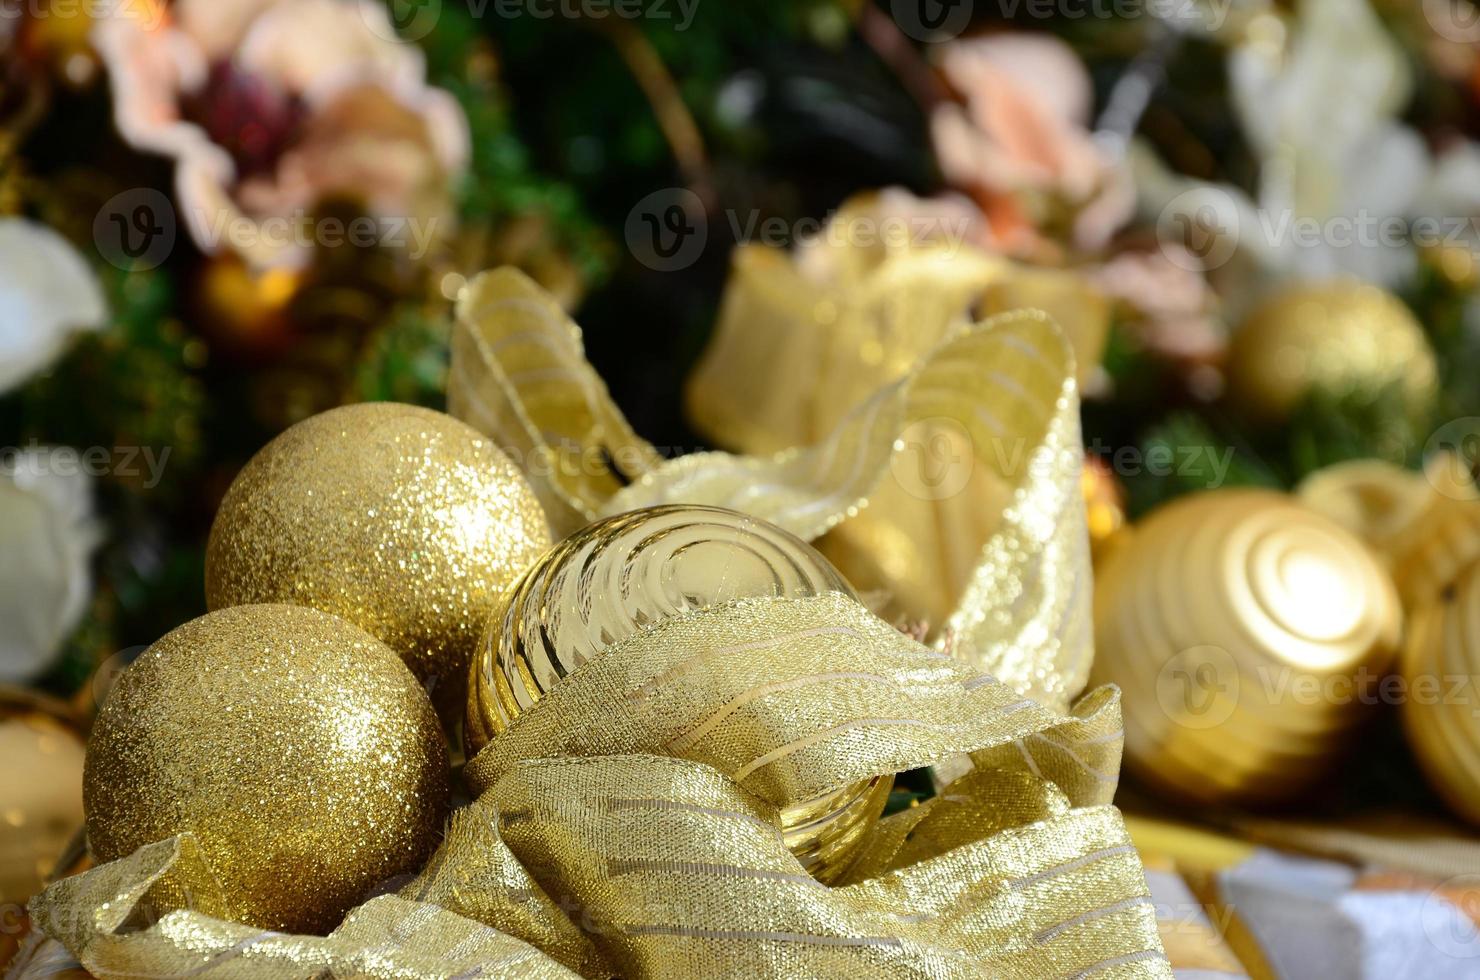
[[47, 535], [48, 293]]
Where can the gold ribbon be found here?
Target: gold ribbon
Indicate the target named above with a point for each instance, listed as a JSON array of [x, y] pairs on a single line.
[[994, 539], [653, 865], [626, 823]]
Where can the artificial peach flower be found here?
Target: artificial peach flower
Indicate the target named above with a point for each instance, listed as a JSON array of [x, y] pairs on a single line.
[[269, 107], [1018, 140], [1172, 305]]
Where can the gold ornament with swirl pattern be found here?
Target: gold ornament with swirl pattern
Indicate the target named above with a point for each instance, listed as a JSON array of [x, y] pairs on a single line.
[[1441, 664], [619, 576], [1239, 625]]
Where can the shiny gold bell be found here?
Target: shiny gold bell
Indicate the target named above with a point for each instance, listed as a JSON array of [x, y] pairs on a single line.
[[1246, 632], [1441, 687], [624, 574]]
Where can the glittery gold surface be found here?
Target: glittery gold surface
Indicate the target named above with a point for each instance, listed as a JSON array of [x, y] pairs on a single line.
[[1441, 714], [298, 749], [1242, 628], [404, 521], [1342, 337], [40, 793], [619, 576]]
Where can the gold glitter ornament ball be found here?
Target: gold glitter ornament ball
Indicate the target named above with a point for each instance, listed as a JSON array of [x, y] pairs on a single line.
[[404, 521], [1246, 633], [1342, 337], [298, 749], [622, 575]]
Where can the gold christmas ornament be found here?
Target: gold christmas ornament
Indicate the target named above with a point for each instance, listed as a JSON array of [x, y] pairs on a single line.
[[404, 521], [1441, 704], [297, 748], [1244, 630], [627, 573], [40, 794], [1440, 546], [1341, 337]]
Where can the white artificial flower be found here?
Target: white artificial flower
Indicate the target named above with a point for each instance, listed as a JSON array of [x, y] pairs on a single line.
[[48, 533], [1343, 186], [48, 293]]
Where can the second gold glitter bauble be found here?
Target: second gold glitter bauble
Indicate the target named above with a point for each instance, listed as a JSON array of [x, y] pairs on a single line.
[[621, 575], [1441, 692], [1341, 337], [1246, 633], [404, 521], [298, 749]]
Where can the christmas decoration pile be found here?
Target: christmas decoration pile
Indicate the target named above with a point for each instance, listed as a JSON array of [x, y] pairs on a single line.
[[681, 723]]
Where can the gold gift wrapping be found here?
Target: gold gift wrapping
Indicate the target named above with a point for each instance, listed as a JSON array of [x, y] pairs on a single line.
[[1441, 707], [298, 751], [611, 579], [1243, 628], [402, 520], [575, 861]]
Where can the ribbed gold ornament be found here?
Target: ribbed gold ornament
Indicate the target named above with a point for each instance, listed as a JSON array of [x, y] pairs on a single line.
[[1441, 683], [1341, 337], [1244, 630], [404, 521], [298, 749], [621, 575], [1439, 547]]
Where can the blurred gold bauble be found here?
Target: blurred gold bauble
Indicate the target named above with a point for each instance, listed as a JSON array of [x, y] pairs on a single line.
[[1339, 337], [1441, 683], [1244, 631], [1440, 546], [1372, 498], [40, 794], [624, 574], [404, 521], [297, 748]]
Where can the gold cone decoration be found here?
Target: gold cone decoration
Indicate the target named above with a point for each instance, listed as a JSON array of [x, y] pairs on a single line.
[[1243, 629]]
